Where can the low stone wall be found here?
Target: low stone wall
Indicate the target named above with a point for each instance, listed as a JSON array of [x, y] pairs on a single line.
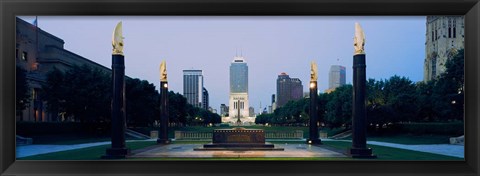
[[194, 135]]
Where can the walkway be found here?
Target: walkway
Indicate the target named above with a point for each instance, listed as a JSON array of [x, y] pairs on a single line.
[[442, 149]]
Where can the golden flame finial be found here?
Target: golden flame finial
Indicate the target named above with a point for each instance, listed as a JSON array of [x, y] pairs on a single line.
[[117, 40], [163, 71], [359, 40], [313, 71]]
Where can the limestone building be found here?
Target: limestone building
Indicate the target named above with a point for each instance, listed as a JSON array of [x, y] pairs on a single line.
[[444, 37], [38, 52]]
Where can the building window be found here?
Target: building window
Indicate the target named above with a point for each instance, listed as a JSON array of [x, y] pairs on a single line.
[[433, 36], [449, 32], [24, 56], [454, 28], [35, 94], [434, 67], [454, 32], [436, 34]]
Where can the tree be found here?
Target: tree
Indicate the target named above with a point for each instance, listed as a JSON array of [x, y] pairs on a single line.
[[177, 108], [22, 94], [142, 102], [339, 108], [55, 91], [399, 93], [81, 92], [449, 89]]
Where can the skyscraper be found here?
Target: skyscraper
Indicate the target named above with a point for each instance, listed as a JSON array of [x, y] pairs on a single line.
[[205, 103], [238, 101], [288, 89], [444, 37], [336, 77], [193, 87], [223, 110]]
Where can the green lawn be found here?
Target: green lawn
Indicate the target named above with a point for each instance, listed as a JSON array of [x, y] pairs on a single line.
[[383, 153], [411, 139]]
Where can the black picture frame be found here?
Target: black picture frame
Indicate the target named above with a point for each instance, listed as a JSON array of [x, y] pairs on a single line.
[[10, 9]]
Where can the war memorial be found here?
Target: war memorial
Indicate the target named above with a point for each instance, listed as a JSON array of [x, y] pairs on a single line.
[[297, 131], [238, 138]]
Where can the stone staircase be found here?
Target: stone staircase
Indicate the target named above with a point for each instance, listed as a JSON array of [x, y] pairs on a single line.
[[135, 134], [342, 135], [23, 140]]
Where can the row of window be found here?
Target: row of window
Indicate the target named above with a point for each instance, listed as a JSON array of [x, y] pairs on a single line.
[[452, 33], [236, 105]]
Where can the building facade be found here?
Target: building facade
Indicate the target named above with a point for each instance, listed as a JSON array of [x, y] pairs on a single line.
[[443, 38], [238, 100], [193, 87], [336, 77], [38, 52], [223, 110], [288, 89], [205, 103]]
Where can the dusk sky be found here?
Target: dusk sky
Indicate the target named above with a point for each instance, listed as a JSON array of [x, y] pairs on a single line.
[[270, 45]]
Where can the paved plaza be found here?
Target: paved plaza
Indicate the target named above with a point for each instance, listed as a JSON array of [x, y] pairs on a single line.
[[187, 151], [443, 149]]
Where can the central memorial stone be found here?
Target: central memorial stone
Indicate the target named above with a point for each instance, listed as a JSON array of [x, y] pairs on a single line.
[[238, 139]]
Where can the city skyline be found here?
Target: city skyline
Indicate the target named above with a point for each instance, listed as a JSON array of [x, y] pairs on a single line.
[[271, 45]]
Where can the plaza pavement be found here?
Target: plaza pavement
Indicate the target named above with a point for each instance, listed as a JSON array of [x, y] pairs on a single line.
[[442, 149], [186, 151]]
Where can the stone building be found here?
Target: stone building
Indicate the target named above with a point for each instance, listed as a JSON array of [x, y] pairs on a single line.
[[445, 35], [38, 52]]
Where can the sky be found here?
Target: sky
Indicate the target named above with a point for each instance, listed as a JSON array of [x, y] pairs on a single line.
[[395, 45]]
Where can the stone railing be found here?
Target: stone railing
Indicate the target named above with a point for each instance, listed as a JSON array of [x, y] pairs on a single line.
[[194, 135], [297, 134]]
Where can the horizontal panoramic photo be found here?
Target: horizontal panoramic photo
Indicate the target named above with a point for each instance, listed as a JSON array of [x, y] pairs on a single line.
[[185, 88]]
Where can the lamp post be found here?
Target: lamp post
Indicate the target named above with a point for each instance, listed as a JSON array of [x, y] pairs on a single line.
[[118, 148], [163, 133], [359, 122], [313, 129]]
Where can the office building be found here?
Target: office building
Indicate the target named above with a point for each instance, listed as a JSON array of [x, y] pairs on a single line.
[[336, 77], [288, 89], [193, 87]]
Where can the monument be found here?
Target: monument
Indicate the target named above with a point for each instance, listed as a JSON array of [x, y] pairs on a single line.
[[118, 149], [238, 139], [359, 140], [313, 129], [163, 132]]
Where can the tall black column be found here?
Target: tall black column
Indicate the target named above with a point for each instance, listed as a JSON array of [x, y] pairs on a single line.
[[118, 149], [359, 122], [163, 132], [314, 137]]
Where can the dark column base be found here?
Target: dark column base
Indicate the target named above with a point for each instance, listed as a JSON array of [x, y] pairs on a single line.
[[116, 153], [361, 153], [163, 141], [314, 141]]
